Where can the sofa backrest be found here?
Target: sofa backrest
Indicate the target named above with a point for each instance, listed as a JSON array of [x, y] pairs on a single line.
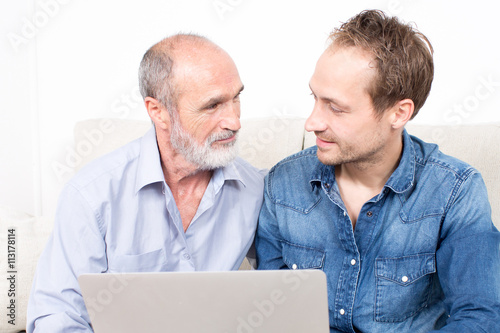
[[266, 141]]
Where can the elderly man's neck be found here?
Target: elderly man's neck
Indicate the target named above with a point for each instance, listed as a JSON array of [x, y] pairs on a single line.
[[178, 172], [188, 186]]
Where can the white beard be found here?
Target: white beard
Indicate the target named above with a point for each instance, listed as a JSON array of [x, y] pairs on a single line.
[[204, 156]]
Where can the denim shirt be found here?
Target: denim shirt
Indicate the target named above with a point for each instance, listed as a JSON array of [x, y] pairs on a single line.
[[424, 254]]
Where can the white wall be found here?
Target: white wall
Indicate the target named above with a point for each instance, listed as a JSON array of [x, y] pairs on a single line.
[[67, 60]]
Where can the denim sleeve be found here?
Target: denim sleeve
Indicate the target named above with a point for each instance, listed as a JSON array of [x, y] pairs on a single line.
[[268, 237], [468, 261], [75, 247]]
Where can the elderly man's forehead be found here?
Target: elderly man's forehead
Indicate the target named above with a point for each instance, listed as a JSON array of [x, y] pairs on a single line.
[[183, 45]]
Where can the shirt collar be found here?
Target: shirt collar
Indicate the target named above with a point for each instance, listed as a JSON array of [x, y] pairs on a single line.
[[149, 169], [230, 172], [219, 177], [400, 180]]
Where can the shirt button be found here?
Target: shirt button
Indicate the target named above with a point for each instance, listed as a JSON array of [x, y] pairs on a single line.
[[369, 213], [353, 262], [186, 256], [404, 279], [294, 266], [342, 312], [345, 213]]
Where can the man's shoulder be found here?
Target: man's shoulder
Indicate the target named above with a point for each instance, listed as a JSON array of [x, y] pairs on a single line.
[[111, 166], [304, 160], [430, 157], [294, 172], [249, 174]]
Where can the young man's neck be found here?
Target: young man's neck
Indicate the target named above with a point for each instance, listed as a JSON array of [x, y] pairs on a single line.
[[374, 173], [361, 181]]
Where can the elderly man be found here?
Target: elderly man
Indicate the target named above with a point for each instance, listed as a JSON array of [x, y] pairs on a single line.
[[402, 231], [176, 199]]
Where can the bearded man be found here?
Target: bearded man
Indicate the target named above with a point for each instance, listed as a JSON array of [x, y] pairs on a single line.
[[176, 199]]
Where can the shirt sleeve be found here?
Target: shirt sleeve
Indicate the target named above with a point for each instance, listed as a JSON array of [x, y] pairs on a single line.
[[268, 239], [468, 261], [76, 246]]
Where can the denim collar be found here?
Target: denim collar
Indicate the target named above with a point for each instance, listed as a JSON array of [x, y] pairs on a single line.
[[149, 170], [400, 181]]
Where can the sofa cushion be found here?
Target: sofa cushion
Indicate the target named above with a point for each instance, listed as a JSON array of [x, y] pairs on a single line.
[[24, 237]]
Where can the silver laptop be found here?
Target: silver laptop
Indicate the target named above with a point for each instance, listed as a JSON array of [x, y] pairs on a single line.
[[207, 302]]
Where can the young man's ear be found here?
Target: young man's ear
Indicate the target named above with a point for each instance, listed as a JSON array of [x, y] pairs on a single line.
[[157, 112], [402, 113]]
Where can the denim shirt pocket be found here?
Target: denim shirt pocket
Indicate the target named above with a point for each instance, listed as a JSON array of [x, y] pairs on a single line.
[[154, 261], [403, 286], [302, 257]]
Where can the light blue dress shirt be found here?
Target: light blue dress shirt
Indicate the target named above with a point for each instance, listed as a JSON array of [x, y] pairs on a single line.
[[118, 215]]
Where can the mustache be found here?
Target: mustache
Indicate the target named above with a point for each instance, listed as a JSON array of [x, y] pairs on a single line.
[[326, 136], [221, 136]]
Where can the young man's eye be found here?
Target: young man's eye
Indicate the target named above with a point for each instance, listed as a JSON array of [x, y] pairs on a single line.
[[334, 109]]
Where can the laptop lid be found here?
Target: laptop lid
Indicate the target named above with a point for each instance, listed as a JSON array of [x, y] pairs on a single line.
[[218, 302]]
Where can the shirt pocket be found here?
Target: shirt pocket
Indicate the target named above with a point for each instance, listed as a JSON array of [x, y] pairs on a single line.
[[302, 257], [154, 261], [403, 286]]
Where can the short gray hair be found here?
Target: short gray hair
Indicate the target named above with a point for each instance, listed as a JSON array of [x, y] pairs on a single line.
[[155, 75], [156, 71]]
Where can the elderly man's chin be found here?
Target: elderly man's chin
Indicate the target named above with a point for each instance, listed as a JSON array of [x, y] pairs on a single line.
[[212, 156], [220, 155]]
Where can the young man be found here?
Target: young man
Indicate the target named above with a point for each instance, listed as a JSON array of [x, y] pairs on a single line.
[[174, 200], [402, 231]]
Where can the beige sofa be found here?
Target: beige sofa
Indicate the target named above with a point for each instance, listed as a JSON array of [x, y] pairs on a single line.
[[263, 142]]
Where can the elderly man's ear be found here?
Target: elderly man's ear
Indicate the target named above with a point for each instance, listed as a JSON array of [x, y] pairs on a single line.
[[157, 112]]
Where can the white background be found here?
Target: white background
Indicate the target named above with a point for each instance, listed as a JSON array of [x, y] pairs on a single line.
[[63, 61]]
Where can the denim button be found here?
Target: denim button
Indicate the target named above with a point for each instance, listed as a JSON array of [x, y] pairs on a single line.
[[353, 262], [327, 186], [369, 213], [404, 279], [342, 312], [294, 266]]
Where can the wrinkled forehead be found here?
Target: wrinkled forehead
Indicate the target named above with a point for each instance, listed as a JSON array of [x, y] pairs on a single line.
[[209, 76], [199, 64]]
